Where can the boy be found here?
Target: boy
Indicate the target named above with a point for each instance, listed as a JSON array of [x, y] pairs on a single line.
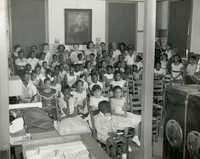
[[74, 53], [103, 122], [32, 60]]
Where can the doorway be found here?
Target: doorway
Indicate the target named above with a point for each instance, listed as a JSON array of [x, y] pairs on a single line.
[[121, 21], [179, 21]]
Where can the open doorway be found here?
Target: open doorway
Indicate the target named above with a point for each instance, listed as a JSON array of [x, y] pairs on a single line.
[[121, 22]]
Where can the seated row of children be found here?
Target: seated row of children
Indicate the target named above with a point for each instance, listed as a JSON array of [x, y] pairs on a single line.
[[74, 86], [175, 68]]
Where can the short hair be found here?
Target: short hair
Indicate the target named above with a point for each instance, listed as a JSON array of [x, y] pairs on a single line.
[[116, 88], [61, 45], [109, 66], [65, 87], [47, 79], [96, 87], [104, 107]]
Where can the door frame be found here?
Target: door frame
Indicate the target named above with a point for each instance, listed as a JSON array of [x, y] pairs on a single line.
[[108, 2], [46, 13]]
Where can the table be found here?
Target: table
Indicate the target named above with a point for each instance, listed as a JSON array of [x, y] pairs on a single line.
[[52, 137]]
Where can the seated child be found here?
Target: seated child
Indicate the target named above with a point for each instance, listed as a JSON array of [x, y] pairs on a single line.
[[96, 97], [32, 60], [177, 68], [80, 59], [42, 59], [74, 54], [109, 74], [71, 77], [80, 96], [20, 62], [54, 61], [158, 71], [29, 90], [130, 58], [28, 68], [118, 81], [136, 73], [67, 103], [191, 66], [95, 81], [121, 118], [103, 122], [62, 72]]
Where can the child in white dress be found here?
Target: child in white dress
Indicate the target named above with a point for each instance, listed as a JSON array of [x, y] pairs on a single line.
[[121, 118], [96, 98]]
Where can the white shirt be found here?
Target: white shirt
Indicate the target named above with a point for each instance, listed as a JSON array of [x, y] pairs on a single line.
[[130, 60], [33, 62], [109, 76], [29, 91], [116, 53], [21, 62], [94, 101], [120, 83], [176, 70], [73, 56], [48, 57], [159, 72]]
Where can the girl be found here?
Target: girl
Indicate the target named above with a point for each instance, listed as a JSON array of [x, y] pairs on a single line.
[[157, 70], [67, 103], [109, 75], [177, 69], [118, 81], [96, 98], [80, 96], [70, 77], [121, 118], [95, 81], [32, 60]]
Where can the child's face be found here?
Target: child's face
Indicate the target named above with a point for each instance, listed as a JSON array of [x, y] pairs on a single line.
[[80, 56], [37, 69], [44, 64], [117, 77], [176, 59], [134, 68], [66, 67], [76, 47], [28, 67], [94, 78], [114, 46], [158, 66], [109, 70], [42, 56], [130, 52], [91, 56], [80, 86], [47, 84], [91, 45], [67, 93], [54, 58], [21, 54], [97, 93], [33, 54], [46, 47], [117, 93]]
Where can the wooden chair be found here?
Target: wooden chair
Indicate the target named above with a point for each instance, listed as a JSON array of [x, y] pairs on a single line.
[[158, 91], [135, 97]]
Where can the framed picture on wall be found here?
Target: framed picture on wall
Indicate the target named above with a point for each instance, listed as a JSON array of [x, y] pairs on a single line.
[[78, 26]]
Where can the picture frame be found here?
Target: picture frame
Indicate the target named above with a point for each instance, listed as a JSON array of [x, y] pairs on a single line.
[[78, 26]]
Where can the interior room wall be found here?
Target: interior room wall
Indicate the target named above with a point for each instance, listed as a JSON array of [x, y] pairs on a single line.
[[56, 25], [195, 35], [56, 17]]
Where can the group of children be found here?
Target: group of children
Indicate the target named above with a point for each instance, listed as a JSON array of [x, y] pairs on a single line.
[[169, 64], [79, 79]]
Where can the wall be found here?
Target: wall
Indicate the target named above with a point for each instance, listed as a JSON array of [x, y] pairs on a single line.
[[195, 35], [56, 17]]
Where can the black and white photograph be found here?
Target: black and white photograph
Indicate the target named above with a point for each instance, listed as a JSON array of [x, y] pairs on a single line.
[[99, 79]]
